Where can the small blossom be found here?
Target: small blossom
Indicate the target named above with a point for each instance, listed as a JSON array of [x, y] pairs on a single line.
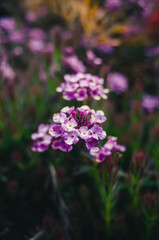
[[117, 82], [92, 60], [107, 150], [97, 132], [150, 102], [69, 125], [7, 23], [36, 45], [73, 63], [84, 133], [98, 117]]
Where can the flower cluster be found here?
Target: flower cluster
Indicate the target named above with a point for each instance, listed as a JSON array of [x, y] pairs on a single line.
[[150, 103], [68, 127], [72, 124], [80, 86], [107, 150], [117, 82], [42, 138]]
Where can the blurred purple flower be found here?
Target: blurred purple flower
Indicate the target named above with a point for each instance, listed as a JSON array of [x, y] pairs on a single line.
[[150, 102], [69, 50], [17, 36], [36, 45], [105, 49], [7, 23], [117, 82], [113, 5], [6, 70], [17, 51], [73, 63], [36, 33], [80, 86], [31, 16], [92, 60]]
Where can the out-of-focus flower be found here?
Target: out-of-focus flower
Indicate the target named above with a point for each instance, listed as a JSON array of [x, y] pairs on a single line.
[[42, 138], [6, 70], [150, 102], [17, 36], [17, 51], [92, 60], [37, 33], [68, 127], [73, 63], [105, 49], [49, 48], [36, 45], [7, 23], [42, 76], [31, 16], [117, 82], [80, 86], [107, 150], [113, 5], [69, 50]]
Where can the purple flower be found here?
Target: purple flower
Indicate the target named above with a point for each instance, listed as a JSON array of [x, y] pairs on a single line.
[[36, 45], [17, 51], [59, 117], [6, 70], [98, 117], [68, 127], [84, 133], [107, 150], [97, 132], [73, 63], [92, 60], [7, 24], [91, 143], [71, 138], [117, 82], [80, 86], [104, 49], [60, 144], [150, 102], [17, 36], [113, 5], [42, 138], [37, 33], [31, 16], [56, 130], [81, 94]]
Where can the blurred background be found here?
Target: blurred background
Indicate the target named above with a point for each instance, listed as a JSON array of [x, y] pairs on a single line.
[[57, 195]]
